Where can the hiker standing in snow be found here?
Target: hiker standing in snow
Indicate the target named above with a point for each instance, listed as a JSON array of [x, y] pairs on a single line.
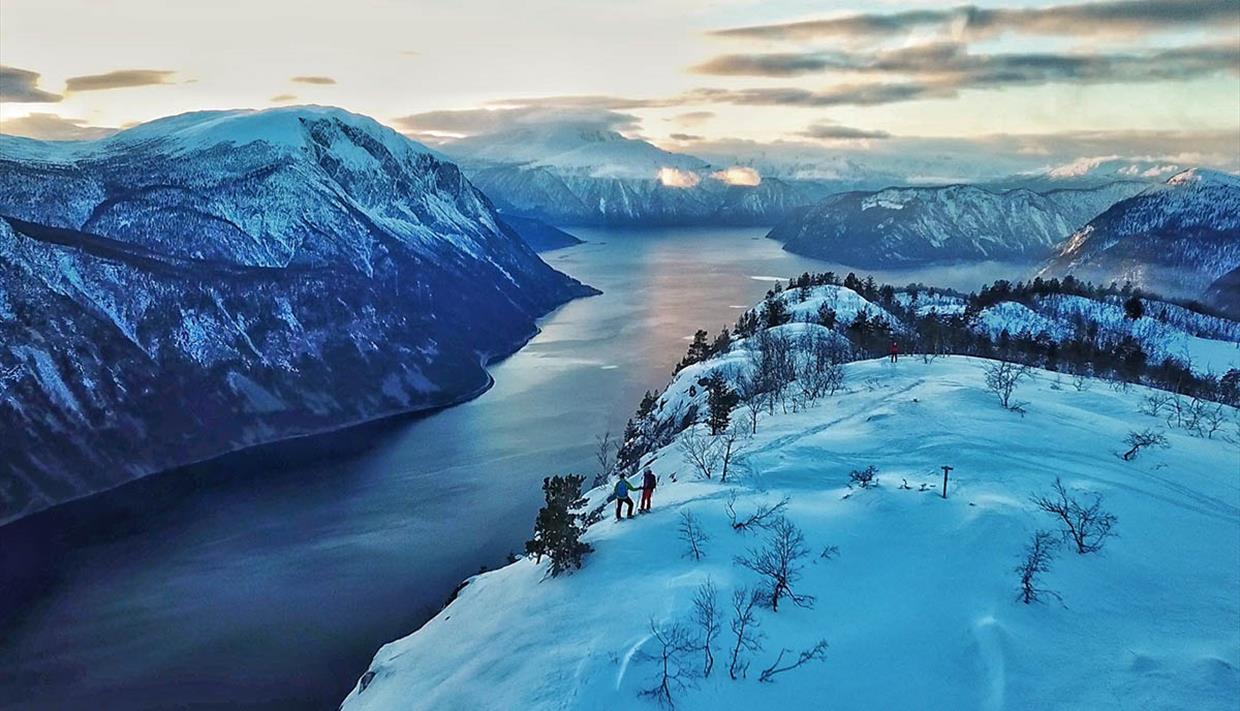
[[895, 351], [621, 492], [648, 484]]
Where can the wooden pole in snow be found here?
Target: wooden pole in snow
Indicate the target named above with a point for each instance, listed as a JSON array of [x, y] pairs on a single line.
[[945, 470]]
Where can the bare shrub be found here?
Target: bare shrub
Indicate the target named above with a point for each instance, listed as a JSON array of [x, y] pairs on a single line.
[[1036, 561], [730, 445], [745, 630], [780, 562], [764, 516], [816, 653], [1137, 441], [1080, 382], [701, 450], [1156, 404], [672, 644], [605, 448], [692, 534], [1002, 377], [1088, 526], [864, 478], [706, 617]]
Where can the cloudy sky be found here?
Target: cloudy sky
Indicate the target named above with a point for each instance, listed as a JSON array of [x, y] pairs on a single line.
[[1154, 77]]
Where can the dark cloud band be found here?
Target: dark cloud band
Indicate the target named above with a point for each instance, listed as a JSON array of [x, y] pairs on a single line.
[[22, 86], [119, 79], [1133, 17]]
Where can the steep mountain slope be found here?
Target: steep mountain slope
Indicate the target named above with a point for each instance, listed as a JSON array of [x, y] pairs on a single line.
[[219, 279], [902, 226], [1224, 293], [539, 235], [1175, 238], [922, 583], [577, 176]]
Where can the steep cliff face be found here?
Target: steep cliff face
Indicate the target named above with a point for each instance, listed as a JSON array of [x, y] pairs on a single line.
[[1174, 238], [219, 279]]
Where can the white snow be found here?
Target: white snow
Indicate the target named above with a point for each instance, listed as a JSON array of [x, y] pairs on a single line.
[[920, 606]]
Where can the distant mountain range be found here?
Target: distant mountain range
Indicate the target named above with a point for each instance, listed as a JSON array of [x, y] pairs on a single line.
[[570, 175], [219, 279], [918, 225]]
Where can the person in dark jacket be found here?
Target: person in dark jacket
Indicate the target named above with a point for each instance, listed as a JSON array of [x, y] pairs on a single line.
[[621, 492], [648, 484], [895, 351]]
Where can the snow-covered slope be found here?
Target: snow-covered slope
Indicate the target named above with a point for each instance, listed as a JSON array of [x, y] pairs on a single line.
[[919, 605], [901, 226], [1175, 238], [218, 279]]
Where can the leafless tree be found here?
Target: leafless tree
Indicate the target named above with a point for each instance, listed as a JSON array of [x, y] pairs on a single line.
[[1037, 560], [605, 448], [730, 445], [692, 534], [1002, 377], [746, 630], [672, 644], [1081, 382], [1212, 420], [864, 478], [749, 390], [1156, 404], [763, 517], [1088, 526], [816, 653], [706, 616], [780, 562], [819, 370], [1141, 440], [701, 450]]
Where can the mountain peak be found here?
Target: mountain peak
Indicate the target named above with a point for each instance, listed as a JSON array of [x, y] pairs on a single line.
[[282, 127], [1204, 176]]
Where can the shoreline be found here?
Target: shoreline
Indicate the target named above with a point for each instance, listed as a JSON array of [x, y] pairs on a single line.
[[486, 362]]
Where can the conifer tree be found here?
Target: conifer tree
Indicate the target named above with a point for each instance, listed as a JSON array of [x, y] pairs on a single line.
[[720, 400], [558, 529]]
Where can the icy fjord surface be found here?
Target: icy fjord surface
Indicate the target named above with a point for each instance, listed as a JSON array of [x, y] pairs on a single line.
[[919, 607]]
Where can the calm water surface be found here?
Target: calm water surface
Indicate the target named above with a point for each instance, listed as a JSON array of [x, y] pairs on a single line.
[[268, 578]]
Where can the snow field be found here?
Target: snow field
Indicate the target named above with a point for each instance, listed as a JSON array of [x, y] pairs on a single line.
[[919, 607]]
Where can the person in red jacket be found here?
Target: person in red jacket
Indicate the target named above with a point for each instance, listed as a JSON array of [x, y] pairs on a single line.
[[895, 351], [648, 484]]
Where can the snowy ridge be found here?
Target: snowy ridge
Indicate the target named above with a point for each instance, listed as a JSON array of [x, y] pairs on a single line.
[[900, 226], [924, 583]]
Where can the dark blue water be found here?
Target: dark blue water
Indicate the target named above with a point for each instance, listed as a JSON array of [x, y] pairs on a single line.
[[268, 578]]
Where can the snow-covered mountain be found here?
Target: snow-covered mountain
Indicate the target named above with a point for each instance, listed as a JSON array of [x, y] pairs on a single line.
[[895, 572], [574, 175], [914, 225], [218, 279], [1175, 238], [1091, 172]]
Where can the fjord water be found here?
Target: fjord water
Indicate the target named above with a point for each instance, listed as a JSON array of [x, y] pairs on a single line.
[[268, 578]]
